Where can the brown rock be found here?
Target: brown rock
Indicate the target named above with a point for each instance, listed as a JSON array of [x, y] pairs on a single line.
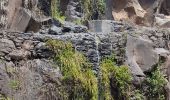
[[128, 10], [19, 54]]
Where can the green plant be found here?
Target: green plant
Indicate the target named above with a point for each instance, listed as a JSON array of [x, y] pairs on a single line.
[[138, 95], [55, 12], [79, 81], [78, 21], [2, 97], [155, 85], [91, 6], [14, 84], [101, 6], [121, 75], [10, 70]]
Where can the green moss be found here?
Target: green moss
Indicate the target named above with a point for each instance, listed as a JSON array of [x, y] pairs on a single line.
[[14, 84], [79, 81], [78, 22], [121, 75], [2, 97], [55, 12]]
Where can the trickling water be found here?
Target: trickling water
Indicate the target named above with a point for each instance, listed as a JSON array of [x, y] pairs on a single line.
[[97, 40]]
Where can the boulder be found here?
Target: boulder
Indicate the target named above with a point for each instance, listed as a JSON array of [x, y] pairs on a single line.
[[71, 27], [25, 20], [141, 56], [54, 30], [162, 21], [19, 54], [21, 21], [128, 10], [6, 46]]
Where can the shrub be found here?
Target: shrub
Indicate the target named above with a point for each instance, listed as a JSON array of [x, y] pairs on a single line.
[[90, 7], [155, 85], [78, 78], [121, 75], [55, 12], [2, 97]]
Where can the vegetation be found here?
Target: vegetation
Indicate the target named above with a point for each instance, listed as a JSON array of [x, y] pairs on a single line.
[[155, 85], [2, 97], [14, 84], [55, 12], [79, 81], [120, 75], [89, 8]]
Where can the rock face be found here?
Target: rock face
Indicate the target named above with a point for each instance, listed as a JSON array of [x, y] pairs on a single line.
[[141, 55], [26, 71], [73, 11], [127, 9], [141, 12], [25, 56]]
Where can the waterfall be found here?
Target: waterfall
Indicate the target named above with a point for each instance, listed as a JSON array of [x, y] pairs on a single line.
[[97, 40]]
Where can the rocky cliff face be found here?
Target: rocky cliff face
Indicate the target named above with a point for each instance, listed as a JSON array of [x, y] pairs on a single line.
[[31, 68], [141, 12]]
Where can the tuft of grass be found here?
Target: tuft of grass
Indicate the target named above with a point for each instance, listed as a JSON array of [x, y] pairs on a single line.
[[14, 84], [77, 72], [121, 76], [2, 97]]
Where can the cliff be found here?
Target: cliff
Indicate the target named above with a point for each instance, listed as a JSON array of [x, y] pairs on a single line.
[[84, 50]]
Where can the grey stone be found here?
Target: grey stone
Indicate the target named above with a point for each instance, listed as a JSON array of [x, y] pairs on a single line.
[[42, 51], [55, 30], [22, 20], [162, 52], [140, 55], [6, 46], [71, 27]]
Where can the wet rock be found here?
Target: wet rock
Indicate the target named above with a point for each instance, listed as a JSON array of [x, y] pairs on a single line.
[[107, 26], [73, 10], [162, 21], [55, 30], [42, 51], [71, 27]]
